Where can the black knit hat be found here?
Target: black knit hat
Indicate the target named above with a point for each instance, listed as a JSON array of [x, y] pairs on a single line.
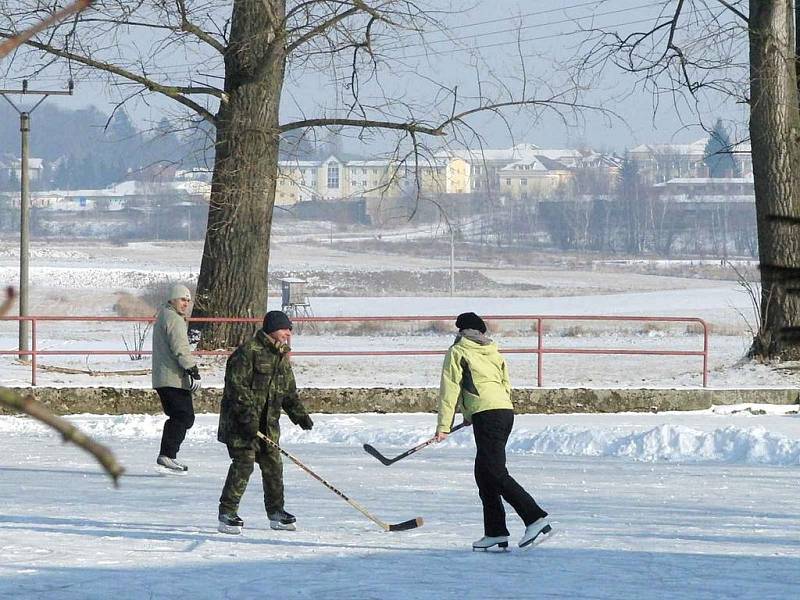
[[469, 320], [276, 319]]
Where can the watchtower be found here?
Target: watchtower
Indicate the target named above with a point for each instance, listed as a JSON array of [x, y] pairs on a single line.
[[294, 299]]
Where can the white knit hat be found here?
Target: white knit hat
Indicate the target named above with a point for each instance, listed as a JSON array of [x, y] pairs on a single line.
[[179, 291]]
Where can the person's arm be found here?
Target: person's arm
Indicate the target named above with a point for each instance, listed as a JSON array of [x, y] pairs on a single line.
[[506, 380], [291, 399], [449, 393], [178, 340]]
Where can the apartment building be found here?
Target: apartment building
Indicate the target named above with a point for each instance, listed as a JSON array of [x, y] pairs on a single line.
[[335, 178]]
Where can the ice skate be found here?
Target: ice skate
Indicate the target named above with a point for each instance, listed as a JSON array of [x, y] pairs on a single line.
[[536, 533], [487, 542], [170, 465], [282, 520], [231, 524]]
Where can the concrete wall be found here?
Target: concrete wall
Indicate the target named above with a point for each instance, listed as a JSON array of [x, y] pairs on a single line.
[[384, 400]]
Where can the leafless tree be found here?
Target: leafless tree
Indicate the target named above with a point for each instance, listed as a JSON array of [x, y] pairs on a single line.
[[263, 47], [744, 50]]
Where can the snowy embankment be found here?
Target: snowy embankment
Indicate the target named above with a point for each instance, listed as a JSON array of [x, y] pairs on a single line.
[[671, 437]]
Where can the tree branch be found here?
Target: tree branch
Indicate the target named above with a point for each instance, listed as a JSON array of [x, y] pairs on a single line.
[[363, 124], [321, 28], [174, 92], [734, 10], [15, 41], [190, 27], [68, 431]]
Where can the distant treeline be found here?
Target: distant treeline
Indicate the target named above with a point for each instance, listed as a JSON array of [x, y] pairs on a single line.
[[87, 148]]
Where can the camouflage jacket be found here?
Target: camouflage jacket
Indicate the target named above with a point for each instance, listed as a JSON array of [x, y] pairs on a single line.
[[259, 383]]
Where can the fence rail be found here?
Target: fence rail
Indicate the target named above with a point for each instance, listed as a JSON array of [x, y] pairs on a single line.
[[539, 351]]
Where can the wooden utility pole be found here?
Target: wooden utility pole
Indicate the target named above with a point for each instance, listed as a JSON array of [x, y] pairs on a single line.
[[24, 203]]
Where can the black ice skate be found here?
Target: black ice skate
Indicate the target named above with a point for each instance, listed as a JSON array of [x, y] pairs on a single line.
[[282, 520], [231, 524]]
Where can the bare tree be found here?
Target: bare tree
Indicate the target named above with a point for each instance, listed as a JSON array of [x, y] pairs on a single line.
[[264, 46], [699, 47]]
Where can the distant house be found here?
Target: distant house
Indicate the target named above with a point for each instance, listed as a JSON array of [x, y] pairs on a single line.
[[123, 195], [12, 167], [533, 177], [527, 170], [707, 190], [662, 162]]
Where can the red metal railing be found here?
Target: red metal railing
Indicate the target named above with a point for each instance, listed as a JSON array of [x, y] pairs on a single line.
[[540, 350]]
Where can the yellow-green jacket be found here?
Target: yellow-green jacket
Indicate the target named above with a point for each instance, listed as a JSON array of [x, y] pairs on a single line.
[[475, 376]]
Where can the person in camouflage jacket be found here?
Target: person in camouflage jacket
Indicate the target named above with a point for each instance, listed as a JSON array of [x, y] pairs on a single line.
[[259, 384]]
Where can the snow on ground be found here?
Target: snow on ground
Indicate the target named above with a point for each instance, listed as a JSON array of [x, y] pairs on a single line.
[[720, 305], [418, 371], [82, 280], [691, 505]]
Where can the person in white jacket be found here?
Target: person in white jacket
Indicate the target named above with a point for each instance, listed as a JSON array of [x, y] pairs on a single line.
[[175, 374]]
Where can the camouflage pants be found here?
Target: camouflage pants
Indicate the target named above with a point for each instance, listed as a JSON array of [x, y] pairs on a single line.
[[242, 463]]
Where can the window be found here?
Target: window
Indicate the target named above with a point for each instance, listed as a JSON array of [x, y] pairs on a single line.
[[333, 176], [508, 181], [523, 181]]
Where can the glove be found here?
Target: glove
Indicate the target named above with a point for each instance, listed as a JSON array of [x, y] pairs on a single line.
[[305, 423], [194, 378]]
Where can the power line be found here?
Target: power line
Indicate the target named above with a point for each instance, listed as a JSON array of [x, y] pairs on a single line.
[[187, 68], [527, 27]]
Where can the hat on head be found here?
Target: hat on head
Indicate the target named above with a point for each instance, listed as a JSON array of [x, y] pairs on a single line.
[[469, 320], [275, 320], [179, 291]]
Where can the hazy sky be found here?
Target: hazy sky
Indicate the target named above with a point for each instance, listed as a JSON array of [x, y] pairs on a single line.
[[486, 40]]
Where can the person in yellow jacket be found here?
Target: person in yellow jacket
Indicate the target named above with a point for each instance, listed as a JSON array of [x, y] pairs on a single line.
[[475, 378]]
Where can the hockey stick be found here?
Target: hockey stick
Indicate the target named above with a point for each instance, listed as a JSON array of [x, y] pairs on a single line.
[[410, 524], [390, 461]]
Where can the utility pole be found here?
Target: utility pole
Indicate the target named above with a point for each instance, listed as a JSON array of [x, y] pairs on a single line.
[[24, 202]]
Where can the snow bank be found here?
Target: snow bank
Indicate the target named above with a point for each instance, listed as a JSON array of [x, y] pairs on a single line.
[[673, 443], [668, 442]]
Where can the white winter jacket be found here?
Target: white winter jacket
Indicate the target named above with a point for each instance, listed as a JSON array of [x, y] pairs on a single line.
[[172, 354]]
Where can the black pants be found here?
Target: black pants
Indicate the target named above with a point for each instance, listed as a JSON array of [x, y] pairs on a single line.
[[491, 429], [177, 405]]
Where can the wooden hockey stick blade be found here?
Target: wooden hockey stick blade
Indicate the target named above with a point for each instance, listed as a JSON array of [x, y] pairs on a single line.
[[406, 525]]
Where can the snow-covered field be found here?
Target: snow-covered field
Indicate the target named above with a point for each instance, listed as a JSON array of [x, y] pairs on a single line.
[[690, 505], [83, 279]]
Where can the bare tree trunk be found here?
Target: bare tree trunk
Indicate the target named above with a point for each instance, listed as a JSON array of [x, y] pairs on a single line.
[[243, 185], [774, 122]]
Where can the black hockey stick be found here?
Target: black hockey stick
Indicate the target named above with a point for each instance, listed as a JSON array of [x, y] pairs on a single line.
[[410, 524], [390, 461]]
